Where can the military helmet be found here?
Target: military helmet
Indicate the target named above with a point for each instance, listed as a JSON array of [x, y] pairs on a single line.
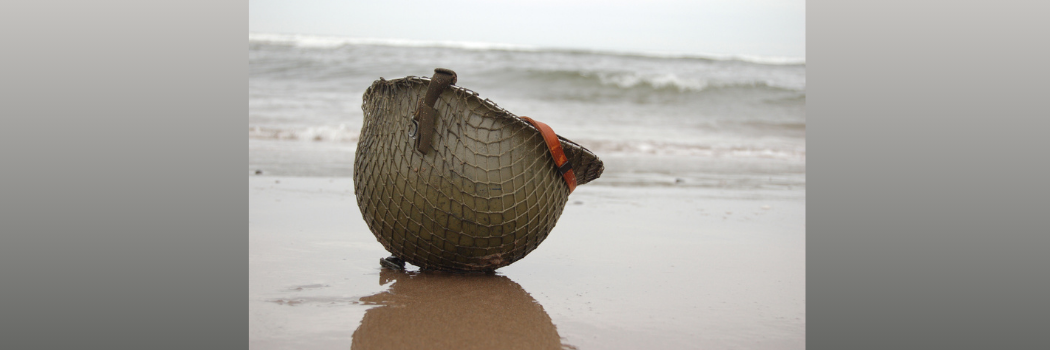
[[449, 181]]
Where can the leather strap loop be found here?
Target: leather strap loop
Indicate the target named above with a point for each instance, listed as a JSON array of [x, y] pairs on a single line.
[[560, 160], [425, 114]]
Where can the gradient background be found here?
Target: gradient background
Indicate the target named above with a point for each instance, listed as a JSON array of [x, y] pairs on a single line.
[[121, 222]]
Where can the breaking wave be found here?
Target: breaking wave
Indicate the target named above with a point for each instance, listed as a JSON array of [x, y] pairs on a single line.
[[658, 81], [655, 81], [660, 148], [333, 41], [340, 133]]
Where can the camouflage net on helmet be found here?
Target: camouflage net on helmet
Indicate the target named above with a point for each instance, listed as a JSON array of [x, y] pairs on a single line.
[[485, 195]]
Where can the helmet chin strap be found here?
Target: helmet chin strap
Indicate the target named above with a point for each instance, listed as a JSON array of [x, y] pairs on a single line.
[[560, 160]]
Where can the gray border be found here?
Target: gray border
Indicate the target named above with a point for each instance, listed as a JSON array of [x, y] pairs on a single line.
[[123, 188], [926, 205]]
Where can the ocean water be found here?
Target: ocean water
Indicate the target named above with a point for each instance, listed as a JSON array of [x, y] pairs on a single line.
[[734, 123]]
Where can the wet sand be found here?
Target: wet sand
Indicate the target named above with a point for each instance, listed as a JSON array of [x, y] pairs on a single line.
[[625, 268]]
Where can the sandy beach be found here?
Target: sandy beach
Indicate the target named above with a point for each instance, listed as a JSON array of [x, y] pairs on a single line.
[[625, 268]]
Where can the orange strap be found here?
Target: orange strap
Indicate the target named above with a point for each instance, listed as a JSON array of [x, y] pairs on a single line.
[[562, 162]]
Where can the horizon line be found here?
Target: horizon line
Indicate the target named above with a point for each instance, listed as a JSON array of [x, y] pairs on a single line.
[[334, 40]]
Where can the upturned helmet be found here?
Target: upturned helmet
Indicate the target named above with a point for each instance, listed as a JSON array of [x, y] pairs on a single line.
[[449, 181]]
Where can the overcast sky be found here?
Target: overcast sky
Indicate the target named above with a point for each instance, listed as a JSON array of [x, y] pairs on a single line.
[[722, 27]]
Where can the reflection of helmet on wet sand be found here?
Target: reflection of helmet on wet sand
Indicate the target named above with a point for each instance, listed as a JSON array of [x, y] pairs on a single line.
[[437, 310], [448, 181]]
